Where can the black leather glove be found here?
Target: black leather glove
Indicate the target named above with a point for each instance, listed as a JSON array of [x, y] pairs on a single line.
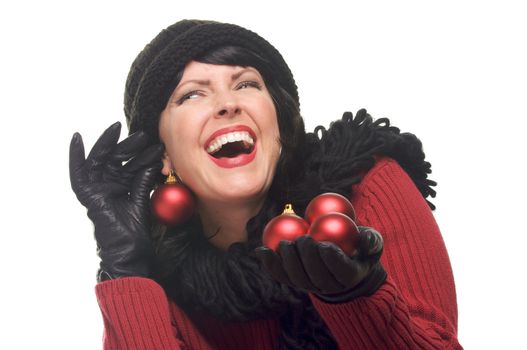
[[117, 197], [324, 269]]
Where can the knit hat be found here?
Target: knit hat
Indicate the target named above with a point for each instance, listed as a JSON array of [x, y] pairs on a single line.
[[152, 77]]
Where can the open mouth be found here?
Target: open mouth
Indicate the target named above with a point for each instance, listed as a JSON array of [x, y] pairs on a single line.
[[231, 145]]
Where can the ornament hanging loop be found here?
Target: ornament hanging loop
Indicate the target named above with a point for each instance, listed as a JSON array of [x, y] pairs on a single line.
[[171, 178]]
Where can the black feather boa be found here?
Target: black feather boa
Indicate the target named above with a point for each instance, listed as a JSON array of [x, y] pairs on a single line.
[[232, 285]]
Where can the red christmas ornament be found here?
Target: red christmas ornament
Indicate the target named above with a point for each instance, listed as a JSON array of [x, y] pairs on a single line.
[[172, 203], [336, 228], [328, 203], [286, 227]]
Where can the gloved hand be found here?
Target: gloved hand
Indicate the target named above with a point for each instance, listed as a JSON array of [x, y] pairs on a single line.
[[324, 269], [118, 198]]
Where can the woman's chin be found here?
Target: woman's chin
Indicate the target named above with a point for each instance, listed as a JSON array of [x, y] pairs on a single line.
[[246, 183], [238, 190]]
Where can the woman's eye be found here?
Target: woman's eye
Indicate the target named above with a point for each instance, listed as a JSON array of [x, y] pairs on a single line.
[[249, 83], [188, 96]]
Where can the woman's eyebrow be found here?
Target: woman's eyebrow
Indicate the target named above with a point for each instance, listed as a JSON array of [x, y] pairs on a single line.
[[197, 81], [241, 72]]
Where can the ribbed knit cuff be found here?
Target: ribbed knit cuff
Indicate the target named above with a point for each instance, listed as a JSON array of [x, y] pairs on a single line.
[[381, 321], [367, 322], [126, 285], [136, 314]]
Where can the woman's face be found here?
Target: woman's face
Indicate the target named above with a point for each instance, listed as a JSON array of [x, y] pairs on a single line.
[[220, 132]]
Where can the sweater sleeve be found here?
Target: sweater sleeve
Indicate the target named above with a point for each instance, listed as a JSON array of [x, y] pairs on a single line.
[[416, 307], [136, 315]]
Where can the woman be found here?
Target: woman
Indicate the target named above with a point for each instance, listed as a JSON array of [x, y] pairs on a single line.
[[216, 104]]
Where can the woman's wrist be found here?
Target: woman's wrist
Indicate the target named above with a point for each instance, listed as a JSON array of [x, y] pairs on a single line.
[[366, 287], [109, 269], [103, 276]]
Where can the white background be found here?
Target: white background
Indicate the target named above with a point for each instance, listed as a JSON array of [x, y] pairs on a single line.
[[452, 72]]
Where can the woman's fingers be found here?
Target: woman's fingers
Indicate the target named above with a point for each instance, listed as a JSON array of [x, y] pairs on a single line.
[[273, 264], [317, 267], [143, 183], [317, 271], [130, 146], [101, 150], [293, 266], [371, 243], [149, 156], [125, 174], [348, 271], [77, 160], [101, 173]]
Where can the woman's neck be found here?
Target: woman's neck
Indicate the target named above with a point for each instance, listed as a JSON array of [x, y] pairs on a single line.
[[225, 223]]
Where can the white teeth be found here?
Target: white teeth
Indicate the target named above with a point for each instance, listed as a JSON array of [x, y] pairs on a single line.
[[218, 142], [249, 139]]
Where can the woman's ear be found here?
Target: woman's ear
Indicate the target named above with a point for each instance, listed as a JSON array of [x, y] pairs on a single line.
[[167, 164]]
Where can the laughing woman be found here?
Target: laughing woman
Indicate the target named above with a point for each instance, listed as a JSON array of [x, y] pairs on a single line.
[[216, 105]]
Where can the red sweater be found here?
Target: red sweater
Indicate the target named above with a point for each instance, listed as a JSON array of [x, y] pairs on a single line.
[[414, 309]]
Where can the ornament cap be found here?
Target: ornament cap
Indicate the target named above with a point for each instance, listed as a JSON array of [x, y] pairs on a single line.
[[171, 179], [288, 209]]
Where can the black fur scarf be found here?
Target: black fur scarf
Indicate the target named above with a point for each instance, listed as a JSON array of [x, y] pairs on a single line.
[[232, 285]]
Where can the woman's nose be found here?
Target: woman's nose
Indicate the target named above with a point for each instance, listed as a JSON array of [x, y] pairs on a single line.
[[227, 106]]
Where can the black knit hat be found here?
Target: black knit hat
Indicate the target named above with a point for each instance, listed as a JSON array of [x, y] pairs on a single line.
[[152, 77]]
